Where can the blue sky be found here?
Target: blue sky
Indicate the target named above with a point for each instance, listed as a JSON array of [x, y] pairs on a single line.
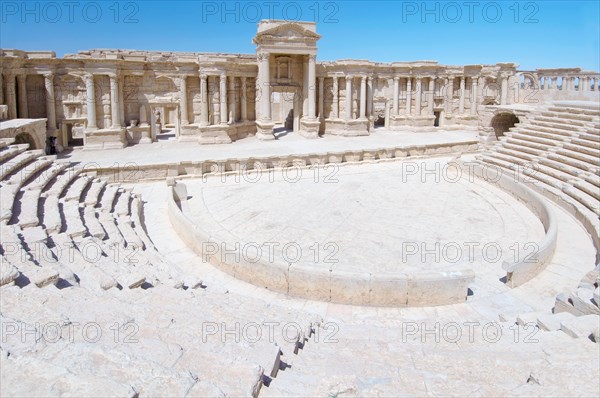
[[534, 34]]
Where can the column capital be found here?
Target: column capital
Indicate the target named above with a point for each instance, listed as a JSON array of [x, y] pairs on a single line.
[[262, 56], [312, 57], [203, 75], [48, 75], [396, 78], [88, 77]]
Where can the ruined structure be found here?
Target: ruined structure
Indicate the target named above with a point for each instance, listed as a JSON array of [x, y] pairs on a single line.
[[110, 98]]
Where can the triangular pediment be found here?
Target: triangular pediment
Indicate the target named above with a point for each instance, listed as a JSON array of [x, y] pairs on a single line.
[[287, 31]]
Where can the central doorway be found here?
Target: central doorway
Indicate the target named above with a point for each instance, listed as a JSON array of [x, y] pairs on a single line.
[[286, 110]]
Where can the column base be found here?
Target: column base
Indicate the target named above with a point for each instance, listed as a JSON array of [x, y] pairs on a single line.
[[138, 135], [407, 122], [105, 139], [347, 128], [309, 128], [264, 130]]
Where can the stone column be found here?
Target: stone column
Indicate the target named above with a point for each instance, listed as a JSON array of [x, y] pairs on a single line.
[[312, 85], [321, 95], [231, 95], [418, 97], [449, 94], [335, 107], [395, 103], [461, 104], [223, 97], [503, 90], [114, 102], [431, 95], [1, 90], [363, 97], [203, 100], [121, 80], [184, 102], [91, 101], [553, 81], [305, 89], [243, 100], [582, 84], [50, 105], [11, 99], [265, 87], [348, 115], [22, 82], [408, 94], [369, 96], [473, 96]]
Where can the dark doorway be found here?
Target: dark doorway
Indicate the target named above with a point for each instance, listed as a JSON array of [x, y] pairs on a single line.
[[503, 122], [73, 141], [436, 121], [25, 138]]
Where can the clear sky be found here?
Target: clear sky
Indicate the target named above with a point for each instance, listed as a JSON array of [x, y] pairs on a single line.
[[534, 34]]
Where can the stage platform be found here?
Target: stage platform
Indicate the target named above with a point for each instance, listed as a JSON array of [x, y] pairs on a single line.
[[169, 152]]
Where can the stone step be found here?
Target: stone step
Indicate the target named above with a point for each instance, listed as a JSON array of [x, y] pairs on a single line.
[[522, 148], [124, 224], [111, 261], [583, 198], [534, 139], [587, 143], [93, 194], [557, 123], [516, 154], [122, 204], [52, 219], [582, 111], [47, 177], [28, 216], [92, 223], [527, 144], [551, 322], [549, 130], [11, 172], [543, 134], [74, 224], [36, 241], [588, 188], [568, 115], [581, 327], [575, 163], [62, 181], [8, 272], [592, 179], [20, 258], [74, 191], [590, 155], [589, 137], [108, 198], [9, 152], [90, 276], [108, 224], [8, 194], [583, 300]]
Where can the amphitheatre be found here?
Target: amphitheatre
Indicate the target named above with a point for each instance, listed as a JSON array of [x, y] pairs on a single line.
[[209, 224]]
